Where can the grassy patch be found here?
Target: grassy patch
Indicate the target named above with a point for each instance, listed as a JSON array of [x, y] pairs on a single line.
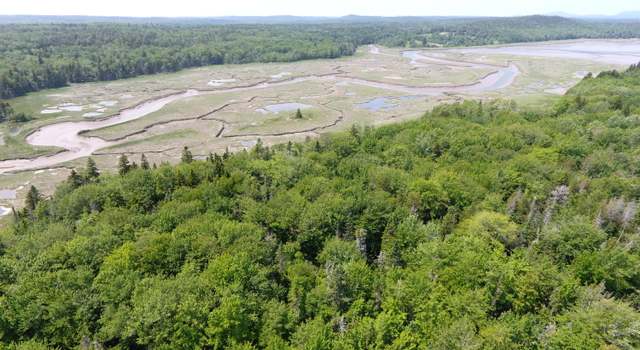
[[15, 147], [153, 139]]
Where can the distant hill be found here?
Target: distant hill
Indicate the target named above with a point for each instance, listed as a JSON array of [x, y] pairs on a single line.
[[5, 19], [628, 15]]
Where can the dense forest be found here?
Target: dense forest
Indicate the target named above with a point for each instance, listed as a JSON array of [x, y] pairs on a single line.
[[36, 56], [478, 226]]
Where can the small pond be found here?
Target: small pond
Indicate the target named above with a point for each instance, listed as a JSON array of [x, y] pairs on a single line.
[[5, 211], [7, 194], [377, 104]]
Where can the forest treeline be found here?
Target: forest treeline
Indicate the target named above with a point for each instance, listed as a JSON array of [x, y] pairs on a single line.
[[38, 56], [478, 226]]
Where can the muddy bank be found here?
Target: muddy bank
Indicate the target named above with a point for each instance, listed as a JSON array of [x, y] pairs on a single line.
[[622, 52], [67, 135]]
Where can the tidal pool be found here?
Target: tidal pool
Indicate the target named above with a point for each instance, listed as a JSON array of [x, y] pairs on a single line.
[[50, 111], [7, 194], [248, 143], [5, 211], [220, 82], [280, 75], [377, 104], [92, 114], [70, 107]]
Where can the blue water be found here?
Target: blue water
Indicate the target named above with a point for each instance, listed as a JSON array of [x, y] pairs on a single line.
[[505, 79], [377, 104]]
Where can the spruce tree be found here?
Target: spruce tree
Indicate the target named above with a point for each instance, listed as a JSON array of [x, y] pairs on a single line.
[[144, 163], [5, 111], [260, 150], [259, 147], [218, 166], [123, 165], [32, 200], [74, 179], [91, 171], [226, 154], [187, 157]]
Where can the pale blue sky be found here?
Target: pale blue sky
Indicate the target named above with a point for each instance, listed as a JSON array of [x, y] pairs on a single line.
[[207, 8]]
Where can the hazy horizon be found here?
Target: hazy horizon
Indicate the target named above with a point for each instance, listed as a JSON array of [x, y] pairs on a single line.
[[328, 8]]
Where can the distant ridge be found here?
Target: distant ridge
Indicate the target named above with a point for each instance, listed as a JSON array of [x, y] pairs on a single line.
[[628, 15], [283, 19]]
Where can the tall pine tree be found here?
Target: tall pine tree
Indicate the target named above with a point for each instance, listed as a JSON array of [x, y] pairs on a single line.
[[91, 172], [32, 200], [123, 165], [144, 163], [187, 157], [74, 179]]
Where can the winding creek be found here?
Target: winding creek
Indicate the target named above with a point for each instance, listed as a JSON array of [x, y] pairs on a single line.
[[69, 135]]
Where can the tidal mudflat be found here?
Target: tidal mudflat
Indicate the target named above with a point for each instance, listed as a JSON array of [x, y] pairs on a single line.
[[231, 106]]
